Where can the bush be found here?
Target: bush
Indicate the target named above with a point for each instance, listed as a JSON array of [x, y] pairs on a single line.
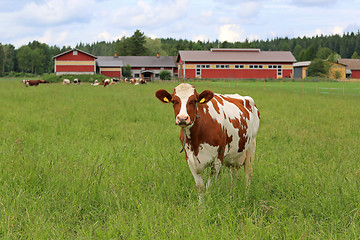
[[319, 68], [126, 71], [165, 75]]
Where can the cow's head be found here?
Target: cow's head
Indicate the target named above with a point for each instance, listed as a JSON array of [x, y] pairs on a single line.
[[185, 101]]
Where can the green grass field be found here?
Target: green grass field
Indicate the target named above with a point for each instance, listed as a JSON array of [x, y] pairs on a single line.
[[83, 162]]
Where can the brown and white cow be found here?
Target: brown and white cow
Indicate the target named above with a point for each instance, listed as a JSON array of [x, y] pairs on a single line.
[[216, 130], [31, 82]]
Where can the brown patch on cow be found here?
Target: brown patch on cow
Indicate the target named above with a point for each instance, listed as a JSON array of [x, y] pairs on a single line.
[[219, 99], [207, 130], [242, 136], [216, 107], [32, 82], [242, 127], [239, 103], [247, 105]]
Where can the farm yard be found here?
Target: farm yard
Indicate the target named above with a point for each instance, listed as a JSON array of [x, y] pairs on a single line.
[[85, 162]]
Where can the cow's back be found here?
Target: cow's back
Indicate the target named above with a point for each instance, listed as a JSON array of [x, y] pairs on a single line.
[[238, 117]]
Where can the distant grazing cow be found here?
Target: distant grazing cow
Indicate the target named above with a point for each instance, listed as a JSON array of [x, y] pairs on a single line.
[[77, 81], [31, 82], [106, 82], [43, 81], [66, 82], [96, 83], [216, 130]]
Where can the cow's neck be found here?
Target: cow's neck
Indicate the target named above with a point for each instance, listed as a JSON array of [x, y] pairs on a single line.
[[192, 135]]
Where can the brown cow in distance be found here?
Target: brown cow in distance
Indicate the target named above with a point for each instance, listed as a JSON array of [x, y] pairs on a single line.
[[31, 82]]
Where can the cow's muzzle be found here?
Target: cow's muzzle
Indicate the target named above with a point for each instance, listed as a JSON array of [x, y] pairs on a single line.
[[182, 121]]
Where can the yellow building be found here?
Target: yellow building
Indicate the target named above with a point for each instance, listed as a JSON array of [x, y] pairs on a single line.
[[337, 70]]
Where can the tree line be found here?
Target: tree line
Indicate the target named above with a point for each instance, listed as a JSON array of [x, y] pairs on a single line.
[[37, 58]]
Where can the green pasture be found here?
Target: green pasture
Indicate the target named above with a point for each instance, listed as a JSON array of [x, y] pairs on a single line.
[[84, 162]]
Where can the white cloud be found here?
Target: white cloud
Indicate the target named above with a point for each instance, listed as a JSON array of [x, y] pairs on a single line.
[[311, 3], [145, 14], [231, 33], [57, 12], [248, 9], [338, 30]]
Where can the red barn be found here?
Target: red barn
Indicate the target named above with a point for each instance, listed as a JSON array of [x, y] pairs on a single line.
[[75, 61], [234, 63], [352, 67]]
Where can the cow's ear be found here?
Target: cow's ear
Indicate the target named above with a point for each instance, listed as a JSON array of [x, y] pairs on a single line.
[[163, 96], [205, 96]]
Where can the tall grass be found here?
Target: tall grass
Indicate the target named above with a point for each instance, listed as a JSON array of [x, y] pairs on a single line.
[[83, 162]]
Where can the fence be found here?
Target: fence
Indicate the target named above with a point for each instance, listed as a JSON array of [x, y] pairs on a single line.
[[329, 88]]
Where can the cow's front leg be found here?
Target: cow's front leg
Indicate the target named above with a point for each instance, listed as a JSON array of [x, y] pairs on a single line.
[[197, 174]]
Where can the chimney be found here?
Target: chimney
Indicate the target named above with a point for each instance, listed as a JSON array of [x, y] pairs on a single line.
[[157, 55], [115, 55]]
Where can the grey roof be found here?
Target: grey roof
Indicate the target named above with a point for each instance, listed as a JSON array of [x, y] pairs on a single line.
[[105, 61], [353, 64], [302, 64], [136, 61], [236, 55], [74, 49]]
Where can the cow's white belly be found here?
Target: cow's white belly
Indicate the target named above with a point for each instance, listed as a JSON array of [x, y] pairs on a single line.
[[208, 155]]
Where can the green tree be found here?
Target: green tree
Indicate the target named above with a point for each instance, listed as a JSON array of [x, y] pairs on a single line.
[[126, 71], [323, 53], [153, 47], [122, 47], [319, 68], [297, 51], [2, 61], [334, 57], [137, 44], [310, 53], [355, 55], [9, 58], [23, 56], [30, 60]]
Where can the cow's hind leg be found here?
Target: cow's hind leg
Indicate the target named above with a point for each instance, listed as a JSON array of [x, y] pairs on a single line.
[[215, 170], [250, 154]]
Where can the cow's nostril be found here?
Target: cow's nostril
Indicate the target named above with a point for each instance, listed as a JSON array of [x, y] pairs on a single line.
[[181, 120]]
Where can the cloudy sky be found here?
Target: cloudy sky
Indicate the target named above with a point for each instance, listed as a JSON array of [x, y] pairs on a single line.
[[68, 22]]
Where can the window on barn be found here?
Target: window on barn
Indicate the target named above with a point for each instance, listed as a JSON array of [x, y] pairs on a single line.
[[136, 75], [75, 52]]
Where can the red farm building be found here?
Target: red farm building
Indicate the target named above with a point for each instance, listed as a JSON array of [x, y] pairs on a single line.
[[352, 67], [144, 67], [75, 61], [233, 63]]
